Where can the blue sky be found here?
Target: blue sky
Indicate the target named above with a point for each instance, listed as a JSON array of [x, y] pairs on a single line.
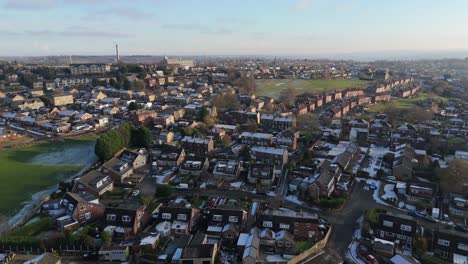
[[234, 27]]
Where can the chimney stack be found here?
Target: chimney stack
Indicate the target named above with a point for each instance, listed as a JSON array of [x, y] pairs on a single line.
[[117, 52]]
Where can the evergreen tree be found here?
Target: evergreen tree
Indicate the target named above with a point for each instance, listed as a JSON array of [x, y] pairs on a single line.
[[141, 137], [127, 85]]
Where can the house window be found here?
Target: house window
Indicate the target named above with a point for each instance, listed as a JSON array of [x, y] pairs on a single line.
[[230, 236], [280, 243], [387, 223], [182, 217], [166, 216], [405, 228], [126, 218], [288, 244], [389, 234], [233, 219], [284, 226], [87, 216], [401, 237], [443, 242], [311, 234], [217, 218], [82, 208], [463, 247], [111, 217], [444, 254], [267, 224]]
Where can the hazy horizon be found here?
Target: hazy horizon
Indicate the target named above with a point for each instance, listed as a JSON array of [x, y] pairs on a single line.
[[358, 56], [317, 28]]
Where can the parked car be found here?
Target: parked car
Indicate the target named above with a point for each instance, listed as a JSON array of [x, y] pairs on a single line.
[[461, 228], [135, 193], [182, 186], [415, 213], [371, 259], [431, 219], [391, 178], [90, 256]]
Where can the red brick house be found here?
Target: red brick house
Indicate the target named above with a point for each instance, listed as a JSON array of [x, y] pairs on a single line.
[[82, 208]]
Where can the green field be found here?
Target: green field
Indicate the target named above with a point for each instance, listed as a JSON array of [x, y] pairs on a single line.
[[402, 103], [273, 88], [27, 170]]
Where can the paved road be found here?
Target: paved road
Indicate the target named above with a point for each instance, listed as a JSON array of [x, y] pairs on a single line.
[[344, 220], [283, 184], [243, 194]]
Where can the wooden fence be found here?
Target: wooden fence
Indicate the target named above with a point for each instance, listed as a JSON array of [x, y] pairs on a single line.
[[313, 250]]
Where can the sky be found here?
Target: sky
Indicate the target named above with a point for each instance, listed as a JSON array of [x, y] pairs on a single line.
[[230, 27]]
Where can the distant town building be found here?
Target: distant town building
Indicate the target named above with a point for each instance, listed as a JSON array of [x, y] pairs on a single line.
[[89, 68], [62, 99], [178, 62]]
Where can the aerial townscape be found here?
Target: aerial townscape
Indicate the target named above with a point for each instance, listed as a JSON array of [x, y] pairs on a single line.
[[204, 159]]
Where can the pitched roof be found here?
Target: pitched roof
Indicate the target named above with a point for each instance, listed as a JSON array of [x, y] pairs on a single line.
[[325, 177], [199, 251]]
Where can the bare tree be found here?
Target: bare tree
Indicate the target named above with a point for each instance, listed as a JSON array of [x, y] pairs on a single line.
[[288, 96], [418, 114], [307, 122], [246, 85], [268, 108], [226, 101], [232, 73], [454, 178], [440, 87], [250, 126]]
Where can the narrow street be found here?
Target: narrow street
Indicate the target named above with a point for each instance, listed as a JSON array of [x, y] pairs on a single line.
[[344, 220], [283, 184]]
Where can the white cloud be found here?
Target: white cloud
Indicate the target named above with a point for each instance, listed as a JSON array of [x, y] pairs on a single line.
[[199, 28], [301, 5], [73, 31], [30, 4], [119, 12]]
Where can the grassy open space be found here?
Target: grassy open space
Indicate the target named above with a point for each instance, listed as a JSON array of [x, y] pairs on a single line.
[[33, 229], [27, 170], [402, 103], [273, 88]]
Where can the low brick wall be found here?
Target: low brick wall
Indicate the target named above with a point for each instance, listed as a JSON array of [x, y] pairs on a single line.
[[313, 250]]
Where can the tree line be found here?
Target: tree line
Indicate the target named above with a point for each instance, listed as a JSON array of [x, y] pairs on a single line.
[[126, 135]]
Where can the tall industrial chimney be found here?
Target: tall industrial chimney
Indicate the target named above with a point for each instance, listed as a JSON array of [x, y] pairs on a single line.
[[117, 52]]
